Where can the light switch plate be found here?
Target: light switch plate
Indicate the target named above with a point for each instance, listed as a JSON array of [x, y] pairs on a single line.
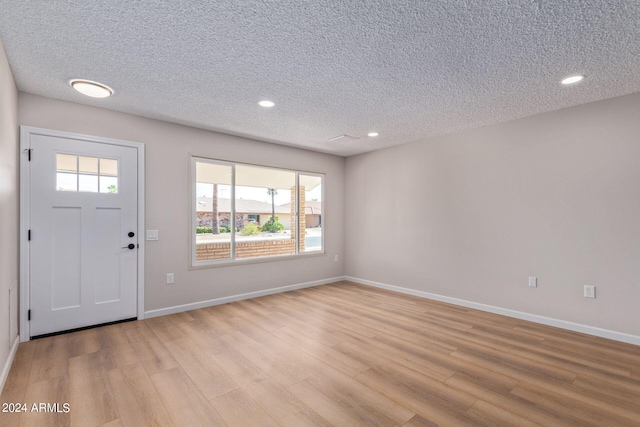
[[533, 282], [152, 234]]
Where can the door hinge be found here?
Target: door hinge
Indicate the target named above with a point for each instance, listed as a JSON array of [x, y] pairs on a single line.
[[29, 315], [29, 235]]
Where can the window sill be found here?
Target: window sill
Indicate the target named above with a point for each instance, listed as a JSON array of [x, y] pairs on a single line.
[[203, 265]]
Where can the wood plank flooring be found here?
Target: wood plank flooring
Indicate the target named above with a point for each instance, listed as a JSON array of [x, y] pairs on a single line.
[[340, 354]]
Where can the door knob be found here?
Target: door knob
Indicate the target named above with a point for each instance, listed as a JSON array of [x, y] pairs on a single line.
[[129, 246], [131, 234]]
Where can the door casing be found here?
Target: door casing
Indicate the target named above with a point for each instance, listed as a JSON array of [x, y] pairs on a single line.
[[25, 221]]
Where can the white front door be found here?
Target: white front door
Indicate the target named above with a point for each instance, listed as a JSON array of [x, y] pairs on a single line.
[[83, 233]]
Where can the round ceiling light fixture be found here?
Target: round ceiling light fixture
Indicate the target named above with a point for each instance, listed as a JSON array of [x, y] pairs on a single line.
[[572, 79], [373, 134], [90, 88], [266, 104]]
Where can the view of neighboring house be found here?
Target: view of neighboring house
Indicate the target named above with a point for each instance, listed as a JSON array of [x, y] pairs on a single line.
[[254, 211], [246, 211], [312, 211]]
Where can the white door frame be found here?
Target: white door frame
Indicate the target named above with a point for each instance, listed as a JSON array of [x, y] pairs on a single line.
[[25, 220]]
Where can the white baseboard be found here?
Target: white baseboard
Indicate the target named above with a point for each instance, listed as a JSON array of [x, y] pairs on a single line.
[[576, 327], [9, 362], [239, 297]]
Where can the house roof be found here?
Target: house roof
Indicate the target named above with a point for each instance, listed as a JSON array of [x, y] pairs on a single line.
[[204, 204], [310, 207]]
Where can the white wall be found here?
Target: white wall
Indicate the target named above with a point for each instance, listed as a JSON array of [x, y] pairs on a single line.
[[8, 207], [168, 201], [472, 215]]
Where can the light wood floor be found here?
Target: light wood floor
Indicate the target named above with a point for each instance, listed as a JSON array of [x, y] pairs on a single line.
[[340, 354]]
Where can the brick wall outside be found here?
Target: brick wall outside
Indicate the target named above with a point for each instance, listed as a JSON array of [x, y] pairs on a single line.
[[209, 251], [206, 218], [302, 226]]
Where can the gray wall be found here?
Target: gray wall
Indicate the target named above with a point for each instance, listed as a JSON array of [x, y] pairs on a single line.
[[472, 215], [168, 201], [8, 206]]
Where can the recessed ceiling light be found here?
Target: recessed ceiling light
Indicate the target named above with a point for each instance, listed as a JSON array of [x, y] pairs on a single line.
[[372, 134], [572, 79], [266, 104], [92, 89]]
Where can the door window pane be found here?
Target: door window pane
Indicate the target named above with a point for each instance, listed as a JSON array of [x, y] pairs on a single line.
[[108, 167], [108, 184], [88, 183], [88, 165], [66, 163], [66, 181], [86, 174]]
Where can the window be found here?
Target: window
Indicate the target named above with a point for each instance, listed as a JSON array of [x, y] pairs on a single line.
[[86, 174], [243, 211]]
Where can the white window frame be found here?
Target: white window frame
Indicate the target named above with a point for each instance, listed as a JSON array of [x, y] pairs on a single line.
[[232, 260]]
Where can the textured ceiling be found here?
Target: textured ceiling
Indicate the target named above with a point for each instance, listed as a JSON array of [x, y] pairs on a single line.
[[409, 69]]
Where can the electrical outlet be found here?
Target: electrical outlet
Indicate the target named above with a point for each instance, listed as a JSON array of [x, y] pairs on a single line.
[[533, 282], [170, 279], [336, 258], [589, 291]]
